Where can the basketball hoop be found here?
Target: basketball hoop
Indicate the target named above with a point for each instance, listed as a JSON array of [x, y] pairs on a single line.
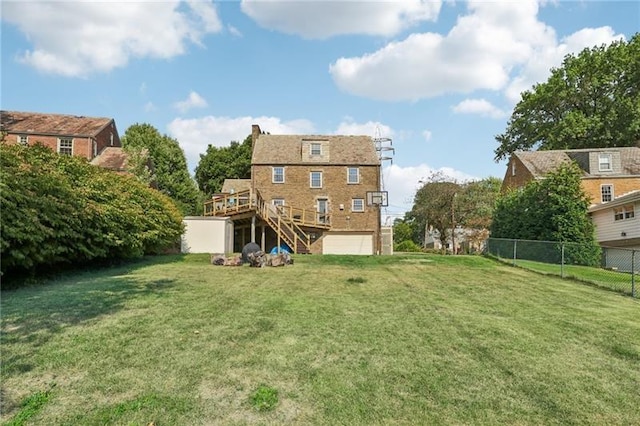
[[378, 198]]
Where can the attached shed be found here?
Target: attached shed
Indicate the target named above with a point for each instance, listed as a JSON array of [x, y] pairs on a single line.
[[348, 243], [207, 235]]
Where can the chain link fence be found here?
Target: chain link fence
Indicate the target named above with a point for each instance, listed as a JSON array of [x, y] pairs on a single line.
[[616, 268]]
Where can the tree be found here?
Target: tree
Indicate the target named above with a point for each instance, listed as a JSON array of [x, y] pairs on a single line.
[[169, 165], [591, 101], [433, 205], [551, 209], [220, 163]]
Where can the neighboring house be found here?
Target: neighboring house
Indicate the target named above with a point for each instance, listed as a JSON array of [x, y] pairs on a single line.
[[608, 172], [66, 134], [618, 222], [314, 193]]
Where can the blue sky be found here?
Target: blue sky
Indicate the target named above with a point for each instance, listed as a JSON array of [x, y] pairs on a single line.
[[439, 78]]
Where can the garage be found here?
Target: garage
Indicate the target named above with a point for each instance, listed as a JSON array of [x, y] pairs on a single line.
[[348, 243]]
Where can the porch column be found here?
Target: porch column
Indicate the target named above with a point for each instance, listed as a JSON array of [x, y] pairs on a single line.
[[264, 238], [253, 228]]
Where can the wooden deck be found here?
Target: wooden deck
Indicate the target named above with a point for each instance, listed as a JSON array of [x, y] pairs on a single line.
[[287, 221]]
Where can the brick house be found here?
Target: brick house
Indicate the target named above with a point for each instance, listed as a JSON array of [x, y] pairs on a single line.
[[313, 193], [66, 134], [608, 173]]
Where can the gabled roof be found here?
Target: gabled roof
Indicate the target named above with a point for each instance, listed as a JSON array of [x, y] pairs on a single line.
[[235, 185], [51, 124], [112, 158], [630, 197], [539, 163], [287, 149]]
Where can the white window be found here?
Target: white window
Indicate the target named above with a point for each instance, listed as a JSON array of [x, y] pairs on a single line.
[[316, 148], [357, 204], [353, 175], [111, 139], [277, 174], [624, 212], [604, 162], [513, 167], [278, 201], [23, 140], [315, 179], [65, 146], [607, 193]]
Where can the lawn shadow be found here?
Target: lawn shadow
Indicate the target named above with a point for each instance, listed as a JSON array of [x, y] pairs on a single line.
[[32, 315]]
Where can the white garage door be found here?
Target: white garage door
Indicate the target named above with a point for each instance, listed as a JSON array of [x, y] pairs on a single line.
[[347, 244]]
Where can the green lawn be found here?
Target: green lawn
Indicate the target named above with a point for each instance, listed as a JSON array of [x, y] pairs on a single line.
[[408, 339]]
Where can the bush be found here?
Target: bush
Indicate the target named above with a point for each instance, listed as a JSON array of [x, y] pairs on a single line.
[[407, 245], [62, 210]]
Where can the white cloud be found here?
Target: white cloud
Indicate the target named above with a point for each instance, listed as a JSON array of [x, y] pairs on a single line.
[[427, 135], [538, 67], [150, 107], [194, 100], [497, 46], [403, 182], [76, 39], [370, 128], [196, 134], [234, 31], [317, 19], [479, 106]]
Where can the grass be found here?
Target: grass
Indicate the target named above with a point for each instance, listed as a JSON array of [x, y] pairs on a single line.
[[607, 279], [415, 339]]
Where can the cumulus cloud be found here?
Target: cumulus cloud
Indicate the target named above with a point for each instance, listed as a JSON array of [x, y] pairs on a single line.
[[78, 38], [194, 100], [479, 106], [497, 46], [319, 19], [426, 134], [196, 134], [234, 31]]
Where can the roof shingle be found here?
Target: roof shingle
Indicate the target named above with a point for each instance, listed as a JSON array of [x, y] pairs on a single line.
[[51, 124]]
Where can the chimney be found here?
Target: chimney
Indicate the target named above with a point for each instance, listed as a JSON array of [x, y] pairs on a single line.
[[255, 132]]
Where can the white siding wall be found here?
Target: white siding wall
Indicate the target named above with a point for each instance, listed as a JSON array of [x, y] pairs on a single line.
[[608, 229], [348, 243], [207, 235]]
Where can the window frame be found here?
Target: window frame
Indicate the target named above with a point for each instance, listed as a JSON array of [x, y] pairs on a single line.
[[273, 174], [604, 193], [61, 148], [624, 212], [23, 140], [608, 163], [349, 169], [311, 179], [313, 145], [353, 205], [278, 202]]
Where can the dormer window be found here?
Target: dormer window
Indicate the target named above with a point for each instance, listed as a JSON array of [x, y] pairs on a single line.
[[315, 148], [604, 163]]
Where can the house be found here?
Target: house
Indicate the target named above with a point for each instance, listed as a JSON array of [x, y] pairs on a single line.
[[608, 172], [66, 134], [310, 193], [618, 222]]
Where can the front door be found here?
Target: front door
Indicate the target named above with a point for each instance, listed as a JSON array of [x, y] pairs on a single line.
[[323, 210]]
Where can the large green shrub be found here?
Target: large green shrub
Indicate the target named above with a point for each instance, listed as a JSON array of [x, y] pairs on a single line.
[[62, 210]]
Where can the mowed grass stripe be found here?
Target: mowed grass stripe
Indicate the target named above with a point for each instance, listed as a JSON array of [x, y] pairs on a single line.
[[416, 339]]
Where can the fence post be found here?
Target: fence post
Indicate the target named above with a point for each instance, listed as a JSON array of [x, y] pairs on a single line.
[[562, 261], [515, 251], [633, 273]]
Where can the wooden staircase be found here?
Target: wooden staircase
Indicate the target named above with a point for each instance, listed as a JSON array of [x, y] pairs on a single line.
[[288, 222]]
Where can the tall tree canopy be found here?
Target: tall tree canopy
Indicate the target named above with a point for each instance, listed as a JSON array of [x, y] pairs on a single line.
[[220, 163], [551, 209], [591, 101], [170, 165]]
